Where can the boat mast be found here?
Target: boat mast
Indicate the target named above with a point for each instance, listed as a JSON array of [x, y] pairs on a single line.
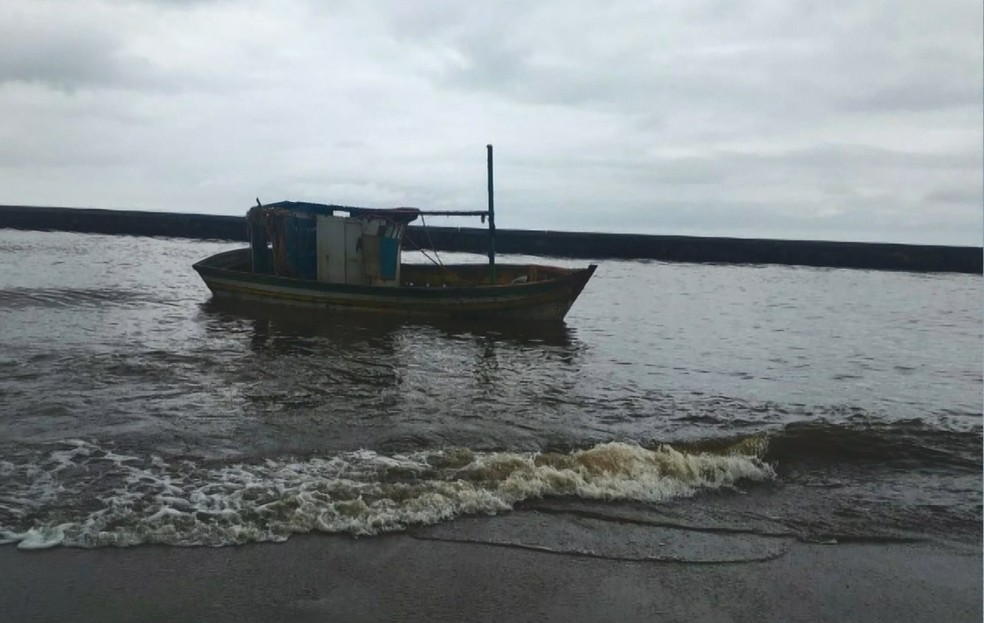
[[491, 221]]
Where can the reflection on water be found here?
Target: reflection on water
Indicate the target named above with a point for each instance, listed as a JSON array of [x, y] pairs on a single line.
[[408, 382], [279, 320]]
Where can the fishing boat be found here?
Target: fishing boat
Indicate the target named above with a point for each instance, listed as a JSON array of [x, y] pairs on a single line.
[[344, 258]]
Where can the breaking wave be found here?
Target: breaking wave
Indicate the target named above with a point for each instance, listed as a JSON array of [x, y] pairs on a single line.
[[128, 500]]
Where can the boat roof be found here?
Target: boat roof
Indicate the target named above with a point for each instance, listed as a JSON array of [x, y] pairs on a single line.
[[402, 215]]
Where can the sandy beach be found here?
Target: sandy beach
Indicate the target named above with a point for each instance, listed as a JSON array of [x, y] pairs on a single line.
[[403, 578]]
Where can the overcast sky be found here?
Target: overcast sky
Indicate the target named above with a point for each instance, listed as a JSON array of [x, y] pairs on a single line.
[[844, 120]]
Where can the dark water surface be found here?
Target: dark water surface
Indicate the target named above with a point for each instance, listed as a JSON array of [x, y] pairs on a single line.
[[768, 401]]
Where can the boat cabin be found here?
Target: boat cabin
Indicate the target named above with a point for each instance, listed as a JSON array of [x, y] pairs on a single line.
[[315, 241]]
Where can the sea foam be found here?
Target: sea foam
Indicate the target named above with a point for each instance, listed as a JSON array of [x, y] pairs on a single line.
[[131, 500]]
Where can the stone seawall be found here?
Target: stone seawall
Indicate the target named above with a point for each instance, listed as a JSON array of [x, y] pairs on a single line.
[[877, 256]]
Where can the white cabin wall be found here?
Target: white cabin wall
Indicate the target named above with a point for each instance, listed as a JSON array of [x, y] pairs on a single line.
[[349, 250], [355, 272], [331, 249]]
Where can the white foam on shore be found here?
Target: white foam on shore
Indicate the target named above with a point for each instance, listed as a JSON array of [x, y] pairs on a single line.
[[362, 493]]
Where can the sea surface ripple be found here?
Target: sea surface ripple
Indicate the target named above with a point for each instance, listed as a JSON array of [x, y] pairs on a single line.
[[784, 402]]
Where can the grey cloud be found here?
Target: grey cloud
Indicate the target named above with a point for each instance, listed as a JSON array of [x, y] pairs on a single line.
[[953, 197], [86, 45], [63, 60], [774, 59], [850, 120], [825, 156], [925, 95]]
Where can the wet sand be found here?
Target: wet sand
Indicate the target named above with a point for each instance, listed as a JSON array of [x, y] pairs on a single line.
[[400, 577]]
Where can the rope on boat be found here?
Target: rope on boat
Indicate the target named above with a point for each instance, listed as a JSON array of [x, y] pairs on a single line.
[[433, 248], [417, 247]]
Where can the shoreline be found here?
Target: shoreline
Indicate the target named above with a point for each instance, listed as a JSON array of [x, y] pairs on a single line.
[[318, 577]]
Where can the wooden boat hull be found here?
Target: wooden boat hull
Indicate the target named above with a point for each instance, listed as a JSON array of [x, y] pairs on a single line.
[[547, 294]]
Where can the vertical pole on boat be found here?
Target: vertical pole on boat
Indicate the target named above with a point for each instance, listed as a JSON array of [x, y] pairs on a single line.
[[491, 220]]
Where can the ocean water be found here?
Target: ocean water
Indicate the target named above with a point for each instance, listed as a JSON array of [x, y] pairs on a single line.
[[751, 405]]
